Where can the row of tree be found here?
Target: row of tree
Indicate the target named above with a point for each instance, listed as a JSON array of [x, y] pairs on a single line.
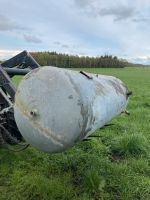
[[75, 61]]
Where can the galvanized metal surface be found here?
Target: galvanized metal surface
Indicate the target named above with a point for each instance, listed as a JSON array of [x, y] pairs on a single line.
[[57, 108]]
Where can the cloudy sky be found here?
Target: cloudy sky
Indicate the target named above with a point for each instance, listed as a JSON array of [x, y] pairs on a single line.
[[84, 27]]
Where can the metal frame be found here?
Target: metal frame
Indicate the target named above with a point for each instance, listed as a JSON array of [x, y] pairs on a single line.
[[9, 133]]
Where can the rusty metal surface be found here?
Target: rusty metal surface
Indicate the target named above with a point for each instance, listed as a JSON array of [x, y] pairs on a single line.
[[57, 108]]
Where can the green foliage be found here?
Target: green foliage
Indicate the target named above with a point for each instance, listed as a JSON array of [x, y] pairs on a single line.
[[95, 184], [75, 61], [130, 144], [114, 166], [35, 186]]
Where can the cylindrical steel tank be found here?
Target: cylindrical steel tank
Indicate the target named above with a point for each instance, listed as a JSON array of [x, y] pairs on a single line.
[[56, 108]]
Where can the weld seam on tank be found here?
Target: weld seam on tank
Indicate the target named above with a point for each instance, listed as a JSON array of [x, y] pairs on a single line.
[[44, 130]]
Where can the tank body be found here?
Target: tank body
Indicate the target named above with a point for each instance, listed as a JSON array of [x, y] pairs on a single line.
[[56, 108]]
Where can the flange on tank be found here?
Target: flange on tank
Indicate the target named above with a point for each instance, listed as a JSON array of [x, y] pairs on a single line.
[[57, 108]]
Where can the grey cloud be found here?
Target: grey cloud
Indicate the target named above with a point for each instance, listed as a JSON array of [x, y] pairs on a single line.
[[7, 24], [119, 13], [144, 60], [83, 3], [140, 20], [93, 8], [57, 43], [61, 44], [32, 39], [65, 46]]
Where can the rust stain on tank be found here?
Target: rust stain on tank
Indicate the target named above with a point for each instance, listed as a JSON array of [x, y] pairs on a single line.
[[127, 90], [100, 89], [117, 87]]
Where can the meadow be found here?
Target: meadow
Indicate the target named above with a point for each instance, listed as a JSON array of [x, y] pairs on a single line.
[[113, 166]]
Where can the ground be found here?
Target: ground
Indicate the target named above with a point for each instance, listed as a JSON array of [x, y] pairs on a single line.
[[116, 165]]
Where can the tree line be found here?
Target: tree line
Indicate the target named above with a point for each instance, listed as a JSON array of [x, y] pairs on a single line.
[[75, 61]]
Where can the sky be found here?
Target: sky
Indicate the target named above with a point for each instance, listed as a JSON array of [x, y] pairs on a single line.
[[80, 27]]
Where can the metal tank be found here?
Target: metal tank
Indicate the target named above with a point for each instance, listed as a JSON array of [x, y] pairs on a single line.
[[56, 108]]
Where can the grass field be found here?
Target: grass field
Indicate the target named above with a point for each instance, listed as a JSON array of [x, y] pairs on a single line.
[[114, 166]]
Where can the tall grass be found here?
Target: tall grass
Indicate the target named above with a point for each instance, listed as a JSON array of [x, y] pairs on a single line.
[[114, 166]]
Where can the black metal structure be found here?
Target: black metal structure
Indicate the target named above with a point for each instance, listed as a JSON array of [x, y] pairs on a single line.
[[9, 133]]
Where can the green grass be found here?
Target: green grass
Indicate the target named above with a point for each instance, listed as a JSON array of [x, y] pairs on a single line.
[[114, 166]]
